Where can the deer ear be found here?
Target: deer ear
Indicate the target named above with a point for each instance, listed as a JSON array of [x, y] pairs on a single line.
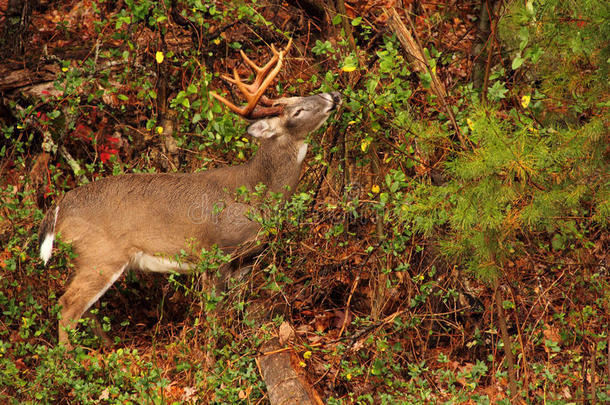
[[261, 129]]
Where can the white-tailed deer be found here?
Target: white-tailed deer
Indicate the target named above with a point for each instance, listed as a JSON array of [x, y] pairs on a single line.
[[144, 221]]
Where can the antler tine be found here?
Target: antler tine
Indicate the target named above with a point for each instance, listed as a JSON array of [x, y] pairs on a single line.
[[285, 50], [233, 107], [277, 56], [261, 72], [257, 68]]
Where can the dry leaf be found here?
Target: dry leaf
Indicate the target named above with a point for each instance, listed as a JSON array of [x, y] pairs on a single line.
[[104, 395], [286, 333]]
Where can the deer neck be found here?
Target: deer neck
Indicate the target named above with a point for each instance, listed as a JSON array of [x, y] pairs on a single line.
[[277, 164]]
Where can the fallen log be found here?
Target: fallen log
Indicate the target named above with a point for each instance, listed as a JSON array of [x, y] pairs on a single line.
[[14, 79], [285, 379]]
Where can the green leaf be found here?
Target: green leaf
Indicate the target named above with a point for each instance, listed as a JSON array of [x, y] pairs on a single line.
[[534, 53], [337, 19], [371, 85], [507, 304], [497, 91], [517, 62], [524, 36], [426, 79], [557, 242], [322, 47]]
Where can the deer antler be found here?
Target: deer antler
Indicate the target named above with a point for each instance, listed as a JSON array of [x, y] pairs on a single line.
[[254, 92]]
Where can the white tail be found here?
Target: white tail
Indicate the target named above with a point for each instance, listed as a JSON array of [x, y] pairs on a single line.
[[46, 247], [144, 221]]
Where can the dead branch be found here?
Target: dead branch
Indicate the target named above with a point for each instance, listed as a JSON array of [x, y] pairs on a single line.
[[413, 48]]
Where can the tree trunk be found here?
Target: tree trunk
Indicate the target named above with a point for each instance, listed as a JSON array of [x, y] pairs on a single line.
[[508, 347], [483, 43], [14, 33]]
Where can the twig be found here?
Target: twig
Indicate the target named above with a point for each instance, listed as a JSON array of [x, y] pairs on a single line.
[[78, 171], [525, 366], [593, 372], [349, 300]]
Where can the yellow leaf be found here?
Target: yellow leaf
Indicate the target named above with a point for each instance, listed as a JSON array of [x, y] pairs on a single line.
[[375, 189], [302, 364], [364, 145], [216, 41], [525, 100], [159, 57], [348, 376], [348, 68], [64, 69], [307, 354], [470, 124], [159, 130]]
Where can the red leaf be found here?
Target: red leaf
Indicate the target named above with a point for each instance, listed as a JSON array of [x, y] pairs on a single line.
[[105, 156]]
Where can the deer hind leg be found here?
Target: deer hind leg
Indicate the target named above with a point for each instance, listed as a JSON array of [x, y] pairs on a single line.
[[87, 286]]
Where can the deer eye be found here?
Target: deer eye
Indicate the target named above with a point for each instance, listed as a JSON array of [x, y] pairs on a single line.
[[297, 112]]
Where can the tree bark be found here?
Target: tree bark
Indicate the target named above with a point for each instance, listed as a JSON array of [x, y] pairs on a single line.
[[483, 43]]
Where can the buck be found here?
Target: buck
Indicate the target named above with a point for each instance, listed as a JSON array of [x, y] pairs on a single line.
[[144, 221]]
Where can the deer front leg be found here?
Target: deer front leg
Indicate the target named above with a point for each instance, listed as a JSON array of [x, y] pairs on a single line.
[[241, 264]]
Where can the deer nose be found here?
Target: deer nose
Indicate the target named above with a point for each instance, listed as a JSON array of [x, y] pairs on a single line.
[[336, 97]]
